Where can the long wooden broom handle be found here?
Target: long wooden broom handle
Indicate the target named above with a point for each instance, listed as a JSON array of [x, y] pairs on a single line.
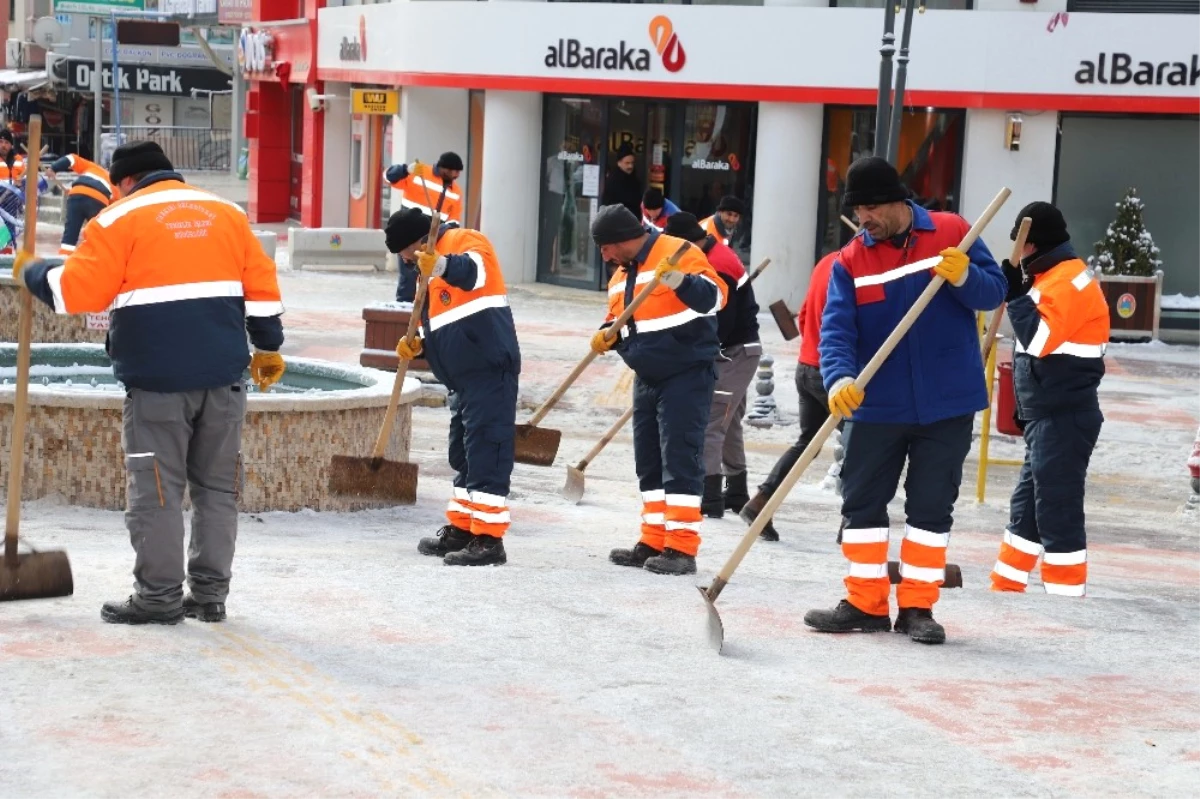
[[814, 446], [608, 436], [16, 438], [759, 269], [615, 328], [1018, 250], [414, 322]]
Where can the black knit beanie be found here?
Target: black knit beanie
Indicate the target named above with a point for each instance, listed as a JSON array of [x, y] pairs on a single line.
[[136, 158], [1048, 229], [653, 198], [6, 134], [614, 224], [450, 161], [405, 228], [873, 181], [685, 226], [731, 203]]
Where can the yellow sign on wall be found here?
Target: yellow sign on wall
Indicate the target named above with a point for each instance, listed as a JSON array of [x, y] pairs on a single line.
[[375, 101]]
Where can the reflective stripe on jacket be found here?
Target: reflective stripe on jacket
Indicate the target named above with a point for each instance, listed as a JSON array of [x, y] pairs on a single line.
[[674, 328], [713, 227], [92, 180], [1062, 330], [423, 190], [185, 279], [467, 323]]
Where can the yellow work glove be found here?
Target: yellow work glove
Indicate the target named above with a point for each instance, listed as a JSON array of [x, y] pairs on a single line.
[[23, 259], [845, 397], [601, 343], [668, 275], [427, 262], [409, 352], [266, 368], [953, 266]]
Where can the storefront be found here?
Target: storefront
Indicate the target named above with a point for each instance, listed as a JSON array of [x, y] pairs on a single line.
[[778, 124], [694, 152]]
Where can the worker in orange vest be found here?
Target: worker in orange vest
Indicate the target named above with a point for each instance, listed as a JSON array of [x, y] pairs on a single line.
[[1061, 323], [470, 341], [723, 225], [187, 282], [12, 163], [671, 345], [431, 192], [90, 194]]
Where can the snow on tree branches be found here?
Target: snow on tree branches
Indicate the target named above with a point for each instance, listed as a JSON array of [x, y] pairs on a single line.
[[1127, 247]]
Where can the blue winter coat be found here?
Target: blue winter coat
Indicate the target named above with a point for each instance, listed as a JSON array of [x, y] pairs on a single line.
[[935, 372]]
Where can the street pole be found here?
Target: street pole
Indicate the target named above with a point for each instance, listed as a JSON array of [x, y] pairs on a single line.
[[98, 89], [893, 139], [235, 123], [885, 78], [116, 78]]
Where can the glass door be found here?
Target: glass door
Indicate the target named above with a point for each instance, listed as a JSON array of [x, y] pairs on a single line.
[[573, 129], [718, 144]]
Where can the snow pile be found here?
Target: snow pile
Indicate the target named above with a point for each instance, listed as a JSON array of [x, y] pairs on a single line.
[[1180, 302]]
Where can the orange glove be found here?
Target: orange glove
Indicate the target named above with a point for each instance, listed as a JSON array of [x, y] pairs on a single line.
[[409, 352], [953, 266], [601, 343], [845, 398], [266, 368], [668, 275], [23, 259], [427, 263]]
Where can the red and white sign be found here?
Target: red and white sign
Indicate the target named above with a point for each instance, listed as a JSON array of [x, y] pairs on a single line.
[[966, 59], [235, 12]]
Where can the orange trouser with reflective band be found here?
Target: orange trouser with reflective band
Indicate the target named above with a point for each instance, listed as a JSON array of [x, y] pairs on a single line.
[[1063, 573], [922, 568], [671, 520], [478, 512]]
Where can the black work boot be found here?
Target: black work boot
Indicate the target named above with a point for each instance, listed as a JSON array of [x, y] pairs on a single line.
[[918, 624], [448, 539], [635, 557], [736, 493], [483, 550], [126, 612], [203, 611], [712, 504], [846, 618], [672, 562], [750, 511]]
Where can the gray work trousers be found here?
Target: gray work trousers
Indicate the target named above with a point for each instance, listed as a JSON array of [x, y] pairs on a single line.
[[187, 439], [723, 439]]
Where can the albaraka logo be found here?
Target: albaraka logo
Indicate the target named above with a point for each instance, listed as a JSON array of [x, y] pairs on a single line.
[[574, 54], [355, 49]]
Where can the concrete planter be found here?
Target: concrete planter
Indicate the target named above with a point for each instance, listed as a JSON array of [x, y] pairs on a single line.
[[1134, 305]]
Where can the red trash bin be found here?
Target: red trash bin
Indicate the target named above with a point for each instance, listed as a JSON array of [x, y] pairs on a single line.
[[1006, 400]]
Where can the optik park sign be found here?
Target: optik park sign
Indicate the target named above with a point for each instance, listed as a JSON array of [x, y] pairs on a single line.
[[1118, 69], [162, 80], [574, 54]]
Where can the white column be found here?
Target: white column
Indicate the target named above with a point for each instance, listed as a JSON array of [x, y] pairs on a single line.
[[512, 140], [431, 122], [786, 192], [988, 166], [335, 160]]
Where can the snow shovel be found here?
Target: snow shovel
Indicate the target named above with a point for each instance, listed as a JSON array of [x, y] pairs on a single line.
[[33, 575], [989, 338], [572, 491], [538, 446], [716, 630], [375, 477]]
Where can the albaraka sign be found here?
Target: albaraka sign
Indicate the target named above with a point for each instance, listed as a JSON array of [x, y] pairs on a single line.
[[1119, 69]]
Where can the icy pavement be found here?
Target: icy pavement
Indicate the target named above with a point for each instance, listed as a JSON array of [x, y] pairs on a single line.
[[352, 666]]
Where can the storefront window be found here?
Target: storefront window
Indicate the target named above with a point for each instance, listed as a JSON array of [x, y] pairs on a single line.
[[929, 159], [717, 140], [358, 165], [573, 129]]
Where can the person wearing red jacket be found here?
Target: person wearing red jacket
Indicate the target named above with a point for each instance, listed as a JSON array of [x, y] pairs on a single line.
[[814, 402]]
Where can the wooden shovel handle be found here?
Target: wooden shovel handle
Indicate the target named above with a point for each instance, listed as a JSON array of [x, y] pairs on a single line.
[[814, 446], [615, 328], [16, 463], [414, 322], [608, 436], [989, 338], [760, 269]]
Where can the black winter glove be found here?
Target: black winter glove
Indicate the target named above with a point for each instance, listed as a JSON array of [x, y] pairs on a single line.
[[1018, 283]]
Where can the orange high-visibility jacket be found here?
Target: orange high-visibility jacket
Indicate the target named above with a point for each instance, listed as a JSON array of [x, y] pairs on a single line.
[[424, 190], [712, 226], [185, 280], [467, 323], [16, 172], [674, 328], [1062, 329], [93, 180]]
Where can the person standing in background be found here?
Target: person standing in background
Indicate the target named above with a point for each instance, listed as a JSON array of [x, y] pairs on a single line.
[[622, 186]]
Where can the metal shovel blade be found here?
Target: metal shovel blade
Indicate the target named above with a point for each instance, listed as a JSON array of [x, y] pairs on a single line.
[[716, 630], [572, 491], [363, 478], [37, 575], [536, 446]]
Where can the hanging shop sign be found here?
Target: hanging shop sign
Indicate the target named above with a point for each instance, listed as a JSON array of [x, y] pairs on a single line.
[[148, 79], [375, 101]]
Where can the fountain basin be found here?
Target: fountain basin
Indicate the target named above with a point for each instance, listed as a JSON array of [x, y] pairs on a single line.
[[319, 409], [48, 326]]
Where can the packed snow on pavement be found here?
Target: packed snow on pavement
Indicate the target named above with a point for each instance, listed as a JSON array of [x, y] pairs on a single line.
[[352, 666]]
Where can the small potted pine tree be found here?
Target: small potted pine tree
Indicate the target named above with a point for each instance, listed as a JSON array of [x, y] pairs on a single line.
[[1127, 263]]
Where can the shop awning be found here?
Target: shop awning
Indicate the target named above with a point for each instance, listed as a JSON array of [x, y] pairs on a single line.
[[22, 79]]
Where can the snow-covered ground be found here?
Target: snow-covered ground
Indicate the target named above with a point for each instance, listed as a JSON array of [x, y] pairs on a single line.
[[352, 666]]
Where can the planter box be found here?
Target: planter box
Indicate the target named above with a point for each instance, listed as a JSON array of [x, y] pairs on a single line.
[[1133, 305], [386, 324]]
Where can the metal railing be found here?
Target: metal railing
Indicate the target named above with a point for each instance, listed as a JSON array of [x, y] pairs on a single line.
[[190, 149]]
